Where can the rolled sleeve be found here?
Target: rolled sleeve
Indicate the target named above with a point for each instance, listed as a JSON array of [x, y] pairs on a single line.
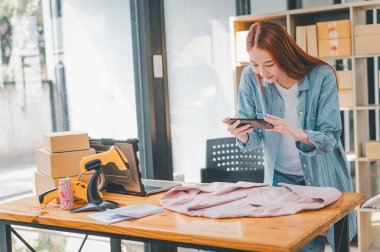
[[254, 141], [328, 127], [322, 142], [241, 145]]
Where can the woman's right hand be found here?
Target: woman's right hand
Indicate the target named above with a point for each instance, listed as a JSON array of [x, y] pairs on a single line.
[[240, 133]]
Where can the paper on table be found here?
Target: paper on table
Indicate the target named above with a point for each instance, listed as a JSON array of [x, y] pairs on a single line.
[[125, 213], [138, 211], [108, 217]]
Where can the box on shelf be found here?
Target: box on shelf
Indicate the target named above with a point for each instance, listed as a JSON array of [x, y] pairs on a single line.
[[311, 38], [239, 70], [241, 53], [365, 30], [346, 98], [44, 183], [373, 150], [334, 29], [66, 141], [334, 47], [59, 165], [367, 44], [344, 79], [301, 37]]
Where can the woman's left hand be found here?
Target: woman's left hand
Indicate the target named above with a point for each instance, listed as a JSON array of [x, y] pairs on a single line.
[[284, 127]]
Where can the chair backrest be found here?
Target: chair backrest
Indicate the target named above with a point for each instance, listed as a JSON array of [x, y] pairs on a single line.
[[226, 162]]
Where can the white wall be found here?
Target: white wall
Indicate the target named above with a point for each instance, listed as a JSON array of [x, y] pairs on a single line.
[[315, 3], [268, 6], [98, 57], [201, 88]]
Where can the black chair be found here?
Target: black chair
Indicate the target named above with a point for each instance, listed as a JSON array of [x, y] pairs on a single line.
[[225, 162]]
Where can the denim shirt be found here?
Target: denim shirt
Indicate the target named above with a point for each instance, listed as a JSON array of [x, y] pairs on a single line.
[[318, 111]]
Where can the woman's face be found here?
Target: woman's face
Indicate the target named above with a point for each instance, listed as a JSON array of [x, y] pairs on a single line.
[[264, 65]]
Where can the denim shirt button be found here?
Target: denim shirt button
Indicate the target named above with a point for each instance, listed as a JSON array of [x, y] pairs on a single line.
[[308, 183], [304, 165]]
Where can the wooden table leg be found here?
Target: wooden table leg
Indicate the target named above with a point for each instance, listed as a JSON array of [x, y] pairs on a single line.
[[115, 245], [5, 237], [341, 235]]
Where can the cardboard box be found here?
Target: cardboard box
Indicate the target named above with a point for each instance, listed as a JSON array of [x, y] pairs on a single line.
[[301, 37], [334, 29], [66, 141], [344, 79], [365, 30], [60, 165], [367, 44], [346, 98], [373, 150], [334, 47], [241, 53], [311, 37], [44, 183]]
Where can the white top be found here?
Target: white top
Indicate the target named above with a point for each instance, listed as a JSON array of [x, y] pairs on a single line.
[[287, 159]]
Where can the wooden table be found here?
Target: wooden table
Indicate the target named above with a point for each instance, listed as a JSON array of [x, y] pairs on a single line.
[[284, 233]]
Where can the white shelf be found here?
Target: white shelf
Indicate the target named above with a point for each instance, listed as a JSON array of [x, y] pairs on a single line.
[[368, 107], [366, 56], [350, 155], [369, 210], [337, 58], [242, 64], [364, 159], [328, 59], [346, 108]]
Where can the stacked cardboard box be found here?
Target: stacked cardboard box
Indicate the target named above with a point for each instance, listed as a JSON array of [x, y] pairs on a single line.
[[367, 39], [306, 38], [373, 150], [301, 37], [345, 91], [241, 53], [311, 38], [60, 158], [334, 38]]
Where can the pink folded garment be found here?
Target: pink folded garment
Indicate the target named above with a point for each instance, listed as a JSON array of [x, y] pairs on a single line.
[[245, 199]]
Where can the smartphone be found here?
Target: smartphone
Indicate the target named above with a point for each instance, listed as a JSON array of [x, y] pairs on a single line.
[[255, 123]]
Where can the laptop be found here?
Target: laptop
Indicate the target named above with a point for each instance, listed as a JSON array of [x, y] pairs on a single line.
[[129, 181]]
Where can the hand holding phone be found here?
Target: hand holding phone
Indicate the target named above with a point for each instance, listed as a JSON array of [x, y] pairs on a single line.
[[254, 123]]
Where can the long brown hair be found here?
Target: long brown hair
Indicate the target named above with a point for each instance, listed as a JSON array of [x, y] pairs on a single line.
[[274, 38]]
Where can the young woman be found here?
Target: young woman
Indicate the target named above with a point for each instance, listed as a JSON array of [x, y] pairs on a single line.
[[297, 93]]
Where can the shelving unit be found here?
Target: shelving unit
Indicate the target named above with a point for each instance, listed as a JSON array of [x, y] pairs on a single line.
[[358, 64]]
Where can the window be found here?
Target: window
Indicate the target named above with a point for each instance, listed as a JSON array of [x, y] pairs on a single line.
[[200, 81], [93, 41]]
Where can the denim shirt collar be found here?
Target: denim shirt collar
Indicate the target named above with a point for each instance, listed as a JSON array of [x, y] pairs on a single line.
[[303, 85]]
